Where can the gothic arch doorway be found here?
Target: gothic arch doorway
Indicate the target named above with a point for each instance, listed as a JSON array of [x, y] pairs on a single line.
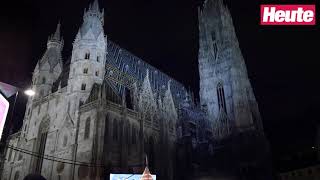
[[41, 143]]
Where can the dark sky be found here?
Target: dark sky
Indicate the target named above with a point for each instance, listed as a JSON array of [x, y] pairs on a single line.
[[283, 62]]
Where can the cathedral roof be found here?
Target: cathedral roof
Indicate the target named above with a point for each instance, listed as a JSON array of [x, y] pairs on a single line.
[[137, 68]]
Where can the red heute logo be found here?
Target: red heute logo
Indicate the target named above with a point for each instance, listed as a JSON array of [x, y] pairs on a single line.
[[288, 14]]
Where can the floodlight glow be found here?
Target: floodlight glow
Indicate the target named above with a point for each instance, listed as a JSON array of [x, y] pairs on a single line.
[[30, 92]]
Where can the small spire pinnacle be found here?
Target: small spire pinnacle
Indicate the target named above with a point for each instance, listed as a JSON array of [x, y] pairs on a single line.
[[147, 73], [95, 6], [169, 85], [56, 35]]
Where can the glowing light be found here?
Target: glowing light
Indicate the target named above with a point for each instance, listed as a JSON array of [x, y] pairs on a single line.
[[30, 92]]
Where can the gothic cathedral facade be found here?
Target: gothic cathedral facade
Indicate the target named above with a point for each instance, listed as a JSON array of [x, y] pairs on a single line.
[[103, 109]]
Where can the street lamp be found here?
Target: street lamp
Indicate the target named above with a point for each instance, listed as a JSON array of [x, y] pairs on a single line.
[[29, 92]]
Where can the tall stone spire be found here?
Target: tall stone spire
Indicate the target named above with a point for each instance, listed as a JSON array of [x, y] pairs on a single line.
[[56, 35], [224, 83], [146, 99], [55, 39], [49, 67], [147, 103], [95, 6], [90, 44], [169, 106], [93, 20]]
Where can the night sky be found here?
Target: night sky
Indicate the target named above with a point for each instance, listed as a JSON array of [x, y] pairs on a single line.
[[282, 62]]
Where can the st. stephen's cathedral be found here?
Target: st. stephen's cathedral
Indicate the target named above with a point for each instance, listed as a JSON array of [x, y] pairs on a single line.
[[103, 110]]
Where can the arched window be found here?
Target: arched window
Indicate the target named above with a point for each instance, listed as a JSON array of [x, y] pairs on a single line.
[[221, 97], [60, 167], [87, 55], [214, 44], [20, 157], [65, 140], [128, 98], [43, 80], [115, 130], [68, 108], [97, 73], [85, 71], [42, 139], [10, 155], [87, 128], [83, 87], [98, 58], [81, 102]]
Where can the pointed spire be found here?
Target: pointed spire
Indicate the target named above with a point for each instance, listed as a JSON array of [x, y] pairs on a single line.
[[169, 85], [90, 17], [147, 74], [168, 91], [56, 35], [146, 96], [169, 106], [95, 6], [56, 39], [159, 102], [146, 87]]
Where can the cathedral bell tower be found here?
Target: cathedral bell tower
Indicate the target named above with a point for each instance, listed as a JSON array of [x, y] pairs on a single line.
[[49, 67], [224, 84], [89, 53]]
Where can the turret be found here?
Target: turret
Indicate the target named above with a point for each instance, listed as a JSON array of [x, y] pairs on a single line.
[[49, 67], [89, 53]]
